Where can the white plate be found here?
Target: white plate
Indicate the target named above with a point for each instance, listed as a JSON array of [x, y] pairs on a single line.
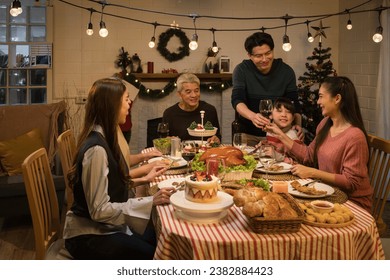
[[319, 186], [181, 163], [202, 133], [178, 200], [203, 213], [286, 168], [168, 182]]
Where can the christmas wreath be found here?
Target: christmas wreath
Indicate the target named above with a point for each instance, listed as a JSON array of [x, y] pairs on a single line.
[[164, 38]]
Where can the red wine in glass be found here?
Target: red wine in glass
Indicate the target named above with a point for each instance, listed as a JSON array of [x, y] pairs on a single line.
[[188, 156], [266, 113], [163, 130], [265, 108]]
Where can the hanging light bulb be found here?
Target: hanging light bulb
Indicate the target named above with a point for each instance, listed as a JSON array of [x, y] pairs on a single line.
[[310, 37], [377, 38], [152, 41], [103, 32], [193, 45], [349, 22], [214, 47], [16, 8], [286, 41], [89, 30]]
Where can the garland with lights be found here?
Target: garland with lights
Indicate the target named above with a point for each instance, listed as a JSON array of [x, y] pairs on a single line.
[[163, 40], [169, 87]]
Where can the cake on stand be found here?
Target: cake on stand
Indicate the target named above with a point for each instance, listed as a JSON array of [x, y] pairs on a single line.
[[202, 132]]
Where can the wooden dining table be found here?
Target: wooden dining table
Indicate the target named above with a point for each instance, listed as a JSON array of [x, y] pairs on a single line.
[[233, 238]]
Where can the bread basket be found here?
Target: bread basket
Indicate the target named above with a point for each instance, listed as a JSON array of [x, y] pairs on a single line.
[[276, 225], [238, 175]]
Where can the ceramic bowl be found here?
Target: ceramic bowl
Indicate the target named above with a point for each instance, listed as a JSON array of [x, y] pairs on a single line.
[[322, 206]]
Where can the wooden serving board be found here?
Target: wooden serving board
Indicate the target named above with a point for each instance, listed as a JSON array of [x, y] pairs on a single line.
[[326, 225]]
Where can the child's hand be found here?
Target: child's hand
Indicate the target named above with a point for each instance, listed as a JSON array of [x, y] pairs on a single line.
[[274, 129]]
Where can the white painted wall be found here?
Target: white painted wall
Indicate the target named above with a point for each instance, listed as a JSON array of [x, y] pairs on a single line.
[[80, 59]]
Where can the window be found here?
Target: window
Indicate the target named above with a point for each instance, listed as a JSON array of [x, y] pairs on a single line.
[[25, 54]]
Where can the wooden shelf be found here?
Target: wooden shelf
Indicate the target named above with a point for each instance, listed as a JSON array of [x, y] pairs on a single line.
[[164, 77]]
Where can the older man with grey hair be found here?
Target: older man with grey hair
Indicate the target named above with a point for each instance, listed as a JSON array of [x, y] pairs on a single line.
[[187, 110]]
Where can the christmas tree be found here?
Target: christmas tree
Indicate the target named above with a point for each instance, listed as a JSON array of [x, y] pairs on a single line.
[[318, 68]]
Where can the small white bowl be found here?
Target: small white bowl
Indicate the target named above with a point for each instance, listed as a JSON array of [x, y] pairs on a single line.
[[322, 206]]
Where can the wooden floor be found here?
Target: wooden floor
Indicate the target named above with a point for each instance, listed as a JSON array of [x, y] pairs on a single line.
[[17, 237]]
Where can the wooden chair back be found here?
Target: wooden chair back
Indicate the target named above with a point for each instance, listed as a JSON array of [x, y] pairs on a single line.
[[378, 170], [67, 149], [42, 200]]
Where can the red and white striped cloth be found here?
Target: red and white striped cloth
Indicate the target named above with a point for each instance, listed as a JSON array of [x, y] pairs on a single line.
[[233, 238]]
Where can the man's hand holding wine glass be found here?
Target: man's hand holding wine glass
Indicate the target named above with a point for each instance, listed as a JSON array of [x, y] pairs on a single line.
[[265, 109]]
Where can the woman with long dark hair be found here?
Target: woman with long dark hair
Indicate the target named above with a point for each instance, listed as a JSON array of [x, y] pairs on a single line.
[[104, 223], [339, 153]]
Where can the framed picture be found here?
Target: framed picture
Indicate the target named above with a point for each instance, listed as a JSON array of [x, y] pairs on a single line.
[[224, 64]]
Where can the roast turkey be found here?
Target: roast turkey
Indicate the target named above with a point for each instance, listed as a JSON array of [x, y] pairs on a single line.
[[231, 155]]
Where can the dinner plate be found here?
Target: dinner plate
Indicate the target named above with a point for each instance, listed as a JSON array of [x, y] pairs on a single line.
[[180, 163], [319, 186], [168, 182], [286, 168]]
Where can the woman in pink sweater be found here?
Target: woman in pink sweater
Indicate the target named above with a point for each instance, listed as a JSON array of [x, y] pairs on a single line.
[[339, 153]]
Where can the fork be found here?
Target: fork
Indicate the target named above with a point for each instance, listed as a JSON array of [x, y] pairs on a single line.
[[311, 182], [254, 150]]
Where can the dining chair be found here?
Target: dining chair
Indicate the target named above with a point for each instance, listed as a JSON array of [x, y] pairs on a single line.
[[378, 170], [67, 148], [43, 204]]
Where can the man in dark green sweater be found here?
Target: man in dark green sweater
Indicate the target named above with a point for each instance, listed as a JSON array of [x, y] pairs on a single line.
[[261, 77]]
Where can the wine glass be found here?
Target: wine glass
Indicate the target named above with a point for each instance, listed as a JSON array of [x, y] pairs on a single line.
[[266, 156], [240, 141], [163, 130], [188, 152], [216, 167], [265, 107]]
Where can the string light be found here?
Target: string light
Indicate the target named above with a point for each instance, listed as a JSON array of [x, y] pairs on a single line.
[[214, 47], [152, 42], [103, 32], [349, 22], [193, 45], [16, 8], [286, 40], [316, 17], [90, 26], [310, 37], [377, 38]]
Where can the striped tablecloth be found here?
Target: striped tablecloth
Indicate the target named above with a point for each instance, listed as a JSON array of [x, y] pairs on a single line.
[[232, 238]]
